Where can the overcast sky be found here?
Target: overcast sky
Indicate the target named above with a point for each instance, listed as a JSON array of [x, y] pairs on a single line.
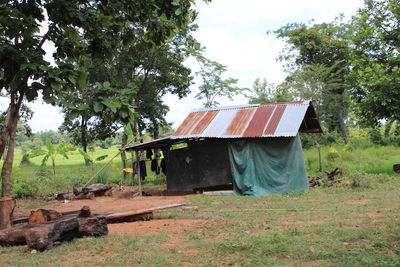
[[234, 33]]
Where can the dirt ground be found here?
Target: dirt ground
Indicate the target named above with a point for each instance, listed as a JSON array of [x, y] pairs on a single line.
[[120, 201]]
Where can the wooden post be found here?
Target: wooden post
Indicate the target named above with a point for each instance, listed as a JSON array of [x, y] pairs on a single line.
[[7, 206], [319, 152], [138, 172], [133, 173]]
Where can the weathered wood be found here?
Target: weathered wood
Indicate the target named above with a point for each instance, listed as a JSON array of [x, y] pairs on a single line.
[[128, 217], [112, 217], [7, 206], [143, 214], [85, 195], [331, 175], [42, 236], [25, 219], [65, 196], [42, 215], [85, 212], [97, 189], [315, 181]]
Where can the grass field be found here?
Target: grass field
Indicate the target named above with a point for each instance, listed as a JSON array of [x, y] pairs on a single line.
[[355, 225], [351, 226]]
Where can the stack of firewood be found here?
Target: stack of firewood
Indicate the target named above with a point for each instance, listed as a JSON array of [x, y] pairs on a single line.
[[315, 181], [333, 177]]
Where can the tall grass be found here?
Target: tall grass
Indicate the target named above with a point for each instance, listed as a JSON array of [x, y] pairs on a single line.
[[370, 160]]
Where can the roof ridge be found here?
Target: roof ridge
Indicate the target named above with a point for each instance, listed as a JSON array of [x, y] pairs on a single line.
[[303, 102]]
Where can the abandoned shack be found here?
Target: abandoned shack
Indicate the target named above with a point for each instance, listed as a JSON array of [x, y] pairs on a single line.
[[255, 148]]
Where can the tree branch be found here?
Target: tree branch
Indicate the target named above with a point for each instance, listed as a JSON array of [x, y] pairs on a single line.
[[46, 36]]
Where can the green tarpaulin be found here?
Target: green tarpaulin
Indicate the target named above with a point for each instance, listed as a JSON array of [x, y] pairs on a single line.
[[267, 166]]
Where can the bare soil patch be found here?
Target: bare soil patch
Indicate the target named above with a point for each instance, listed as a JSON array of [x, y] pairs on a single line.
[[154, 226], [357, 201]]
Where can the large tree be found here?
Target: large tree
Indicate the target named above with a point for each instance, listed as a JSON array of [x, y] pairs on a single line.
[[320, 46], [376, 61], [75, 28], [139, 76]]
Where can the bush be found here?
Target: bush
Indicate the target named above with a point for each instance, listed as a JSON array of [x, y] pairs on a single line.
[[23, 187]]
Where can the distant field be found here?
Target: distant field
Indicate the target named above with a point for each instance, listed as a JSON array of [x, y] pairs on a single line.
[[34, 181]]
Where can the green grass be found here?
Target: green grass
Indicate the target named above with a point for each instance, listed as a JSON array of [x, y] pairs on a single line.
[[40, 182], [355, 225], [324, 227], [374, 160]]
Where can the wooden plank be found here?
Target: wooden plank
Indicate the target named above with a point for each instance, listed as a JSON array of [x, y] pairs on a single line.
[[117, 215], [114, 216]]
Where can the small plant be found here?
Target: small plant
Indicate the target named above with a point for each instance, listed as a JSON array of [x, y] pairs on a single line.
[[332, 155], [52, 152]]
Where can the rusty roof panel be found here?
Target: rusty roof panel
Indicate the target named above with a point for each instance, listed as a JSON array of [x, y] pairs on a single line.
[[258, 122], [240, 122], [204, 122], [275, 120], [191, 120], [266, 120]]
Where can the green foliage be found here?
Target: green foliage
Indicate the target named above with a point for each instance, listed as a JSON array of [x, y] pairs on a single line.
[[265, 92], [52, 152], [213, 84], [86, 156], [375, 60], [332, 155], [318, 62]]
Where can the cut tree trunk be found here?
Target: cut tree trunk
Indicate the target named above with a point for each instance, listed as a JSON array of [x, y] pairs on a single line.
[[42, 236], [7, 206], [42, 215]]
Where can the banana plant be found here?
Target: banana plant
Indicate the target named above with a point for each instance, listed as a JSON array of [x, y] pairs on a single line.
[[52, 151]]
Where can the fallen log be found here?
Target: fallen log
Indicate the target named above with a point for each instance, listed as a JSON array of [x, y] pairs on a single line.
[[97, 189], [7, 206], [41, 236], [64, 196]]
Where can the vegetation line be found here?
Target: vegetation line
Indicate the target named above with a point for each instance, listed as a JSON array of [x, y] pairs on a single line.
[[108, 163]]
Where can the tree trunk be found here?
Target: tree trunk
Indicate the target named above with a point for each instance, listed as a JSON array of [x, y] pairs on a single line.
[[9, 132], [84, 139], [7, 206], [342, 125]]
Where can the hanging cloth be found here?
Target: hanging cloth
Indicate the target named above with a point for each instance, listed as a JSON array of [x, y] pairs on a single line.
[[267, 166], [154, 166]]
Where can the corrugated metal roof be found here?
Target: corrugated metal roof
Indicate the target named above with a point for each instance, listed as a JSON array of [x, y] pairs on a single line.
[[265, 120]]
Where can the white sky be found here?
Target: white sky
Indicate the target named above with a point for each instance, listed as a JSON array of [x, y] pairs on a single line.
[[234, 33]]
